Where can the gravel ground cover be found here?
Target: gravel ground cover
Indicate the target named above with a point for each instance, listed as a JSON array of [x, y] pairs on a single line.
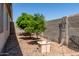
[[19, 45]]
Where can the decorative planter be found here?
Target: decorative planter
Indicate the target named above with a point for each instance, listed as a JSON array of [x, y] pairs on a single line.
[[44, 46]]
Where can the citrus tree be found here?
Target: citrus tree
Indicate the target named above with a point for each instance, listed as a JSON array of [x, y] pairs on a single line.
[[39, 24], [24, 22], [31, 23]]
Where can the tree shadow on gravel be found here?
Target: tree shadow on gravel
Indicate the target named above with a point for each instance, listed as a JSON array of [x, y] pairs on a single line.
[[33, 43], [23, 34], [32, 40], [28, 38]]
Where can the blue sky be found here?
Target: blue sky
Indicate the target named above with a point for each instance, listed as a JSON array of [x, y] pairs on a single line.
[[49, 10]]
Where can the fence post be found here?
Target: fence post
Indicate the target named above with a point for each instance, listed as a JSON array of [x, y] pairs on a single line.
[[67, 36]]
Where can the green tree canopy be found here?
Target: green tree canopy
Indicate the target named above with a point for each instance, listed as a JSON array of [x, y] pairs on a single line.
[[31, 23], [39, 23], [23, 20]]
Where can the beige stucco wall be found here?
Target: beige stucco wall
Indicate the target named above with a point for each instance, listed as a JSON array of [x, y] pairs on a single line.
[[4, 35]]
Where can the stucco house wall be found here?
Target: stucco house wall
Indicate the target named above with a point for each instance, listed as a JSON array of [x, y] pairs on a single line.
[[6, 26]]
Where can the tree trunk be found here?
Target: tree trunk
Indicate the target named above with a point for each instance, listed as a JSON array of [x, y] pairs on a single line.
[[30, 35], [37, 35]]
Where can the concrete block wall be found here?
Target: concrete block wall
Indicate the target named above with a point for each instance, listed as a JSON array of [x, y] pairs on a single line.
[[52, 31]]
